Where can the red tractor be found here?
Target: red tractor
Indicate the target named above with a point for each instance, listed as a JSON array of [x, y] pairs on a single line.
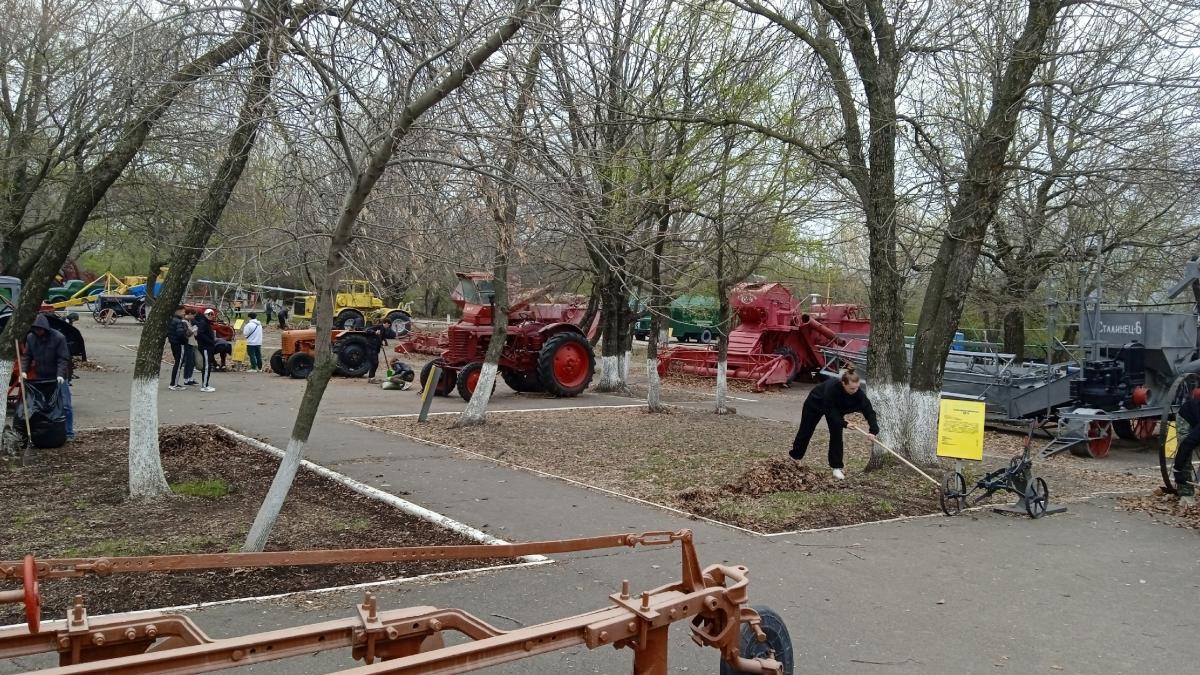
[[545, 351]]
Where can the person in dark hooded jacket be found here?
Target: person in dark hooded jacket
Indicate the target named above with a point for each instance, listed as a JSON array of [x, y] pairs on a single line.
[[47, 356], [206, 341], [177, 336]]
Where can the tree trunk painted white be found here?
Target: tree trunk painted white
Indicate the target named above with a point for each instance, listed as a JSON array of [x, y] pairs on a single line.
[[907, 420], [653, 386], [610, 374], [6, 366], [722, 407], [476, 410], [626, 360], [146, 477], [268, 513]]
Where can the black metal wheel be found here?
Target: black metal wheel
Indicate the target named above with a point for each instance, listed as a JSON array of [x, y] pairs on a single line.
[[778, 645], [1173, 428], [954, 493], [1037, 497]]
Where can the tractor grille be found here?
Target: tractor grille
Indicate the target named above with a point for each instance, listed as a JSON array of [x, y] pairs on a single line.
[[459, 344]]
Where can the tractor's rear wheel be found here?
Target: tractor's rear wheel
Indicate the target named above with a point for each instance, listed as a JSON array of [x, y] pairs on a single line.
[[400, 322], [525, 383], [778, 645], [468, 380], [1140, 429], [350, 319], [565, 364], [354, 356], [278, 363], [300, 365], [445, 383]]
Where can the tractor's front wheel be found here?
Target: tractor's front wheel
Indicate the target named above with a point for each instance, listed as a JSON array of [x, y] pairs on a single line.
[[400, 322], [350, 319], [468, 380], [565, 364], [278, 364], [300, 365], [445, 383]]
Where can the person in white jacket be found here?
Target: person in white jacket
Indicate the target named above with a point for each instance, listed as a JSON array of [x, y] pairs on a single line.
[[253, 331]]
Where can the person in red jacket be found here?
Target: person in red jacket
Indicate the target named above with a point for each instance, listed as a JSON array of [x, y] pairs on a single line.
[[832, 400]]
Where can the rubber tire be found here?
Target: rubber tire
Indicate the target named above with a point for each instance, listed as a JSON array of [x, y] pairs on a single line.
[[54, 299], [788, 351], [545, 365], [524, 383], [300, 365], [465, 373], [278, 364], [352, 356], [350, 315], [778, 639], [402, 317], [706, 337], [445, 385]]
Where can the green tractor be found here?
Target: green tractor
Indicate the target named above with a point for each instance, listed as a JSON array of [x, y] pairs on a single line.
[[693, 317]]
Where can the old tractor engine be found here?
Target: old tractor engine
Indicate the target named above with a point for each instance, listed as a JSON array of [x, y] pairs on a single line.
[[545, 349]]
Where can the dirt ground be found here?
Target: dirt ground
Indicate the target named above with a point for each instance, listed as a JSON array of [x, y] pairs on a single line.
[[72, 503], [731, 468]]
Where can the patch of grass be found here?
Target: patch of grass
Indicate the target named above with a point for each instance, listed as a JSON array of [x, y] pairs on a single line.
[[21, 520], [109, 548], [212, 489]]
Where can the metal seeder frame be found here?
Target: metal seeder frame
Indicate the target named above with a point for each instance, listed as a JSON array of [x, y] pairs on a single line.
[[407, 640]]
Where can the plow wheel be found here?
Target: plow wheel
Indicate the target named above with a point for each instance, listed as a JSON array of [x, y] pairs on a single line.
[[778, 645], [1037, 496], [1140, 429], [278, 364], [468, 379], [106, 317], [1174, 428], [1100, 438], [525, 383], [445, 383], [565, 364]]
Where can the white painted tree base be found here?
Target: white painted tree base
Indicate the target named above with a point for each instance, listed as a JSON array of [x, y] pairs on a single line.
[[476, 410], [268, 513], [6, 367], [146, 478], [653, 385], [722, 406], [610, 374], [907, 420]]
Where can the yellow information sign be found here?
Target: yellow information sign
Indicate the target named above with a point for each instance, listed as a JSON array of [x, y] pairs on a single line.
[[238, 323], [960, 429], [1172, 441]]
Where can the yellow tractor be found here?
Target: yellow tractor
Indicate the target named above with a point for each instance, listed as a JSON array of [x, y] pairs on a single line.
[[353, 305]]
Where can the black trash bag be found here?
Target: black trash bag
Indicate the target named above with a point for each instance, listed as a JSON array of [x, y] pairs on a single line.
[[47, 420]]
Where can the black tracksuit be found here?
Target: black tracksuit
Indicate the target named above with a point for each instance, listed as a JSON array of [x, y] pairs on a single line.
[[1189, 411], [377, 336], [206, 340], [829, 400], [177, 335]]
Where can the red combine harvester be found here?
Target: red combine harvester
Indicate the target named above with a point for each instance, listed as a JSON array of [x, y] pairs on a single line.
[[545, 350], [776, 341]]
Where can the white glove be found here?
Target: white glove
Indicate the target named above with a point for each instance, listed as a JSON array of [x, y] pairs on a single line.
[[60, 380]]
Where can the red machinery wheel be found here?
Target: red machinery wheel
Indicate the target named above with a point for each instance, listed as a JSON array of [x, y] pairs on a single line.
[[33, 598], [1140, 429], [1101, 435], [468, 379], [445, 383], [565, 364]]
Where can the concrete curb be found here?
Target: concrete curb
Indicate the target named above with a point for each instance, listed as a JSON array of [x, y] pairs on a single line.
[[379, 495]]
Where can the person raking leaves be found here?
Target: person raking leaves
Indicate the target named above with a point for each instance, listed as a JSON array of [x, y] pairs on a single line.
[[833, 400]]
